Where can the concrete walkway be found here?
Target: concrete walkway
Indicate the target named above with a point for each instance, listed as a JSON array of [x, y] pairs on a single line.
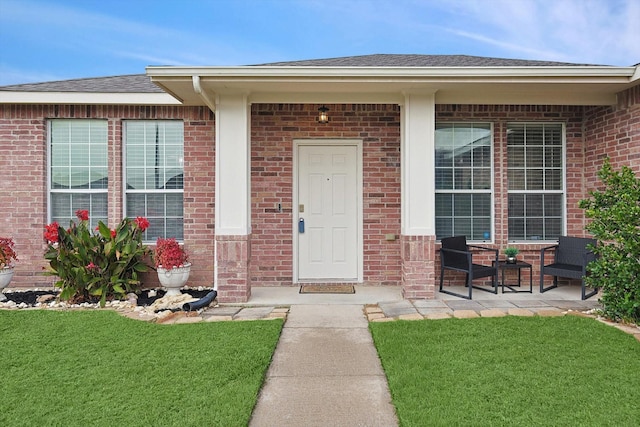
[[325, 372]]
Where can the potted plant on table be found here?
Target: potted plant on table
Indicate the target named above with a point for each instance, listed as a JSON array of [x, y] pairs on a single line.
[[511, 253], [7, 257], [172, 264]]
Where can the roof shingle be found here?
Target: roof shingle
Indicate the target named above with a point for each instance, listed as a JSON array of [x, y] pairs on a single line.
[[141, 83], [132, 83], [402, 60]]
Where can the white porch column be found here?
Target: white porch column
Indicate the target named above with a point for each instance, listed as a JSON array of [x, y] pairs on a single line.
[[418, 196], [233, 198], [417, 151], [233, 165]]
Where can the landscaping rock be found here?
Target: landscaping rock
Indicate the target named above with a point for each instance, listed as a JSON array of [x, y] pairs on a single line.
[[171, 302], [45, 298]]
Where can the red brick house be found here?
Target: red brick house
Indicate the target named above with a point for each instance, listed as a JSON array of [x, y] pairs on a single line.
[[234, 162]]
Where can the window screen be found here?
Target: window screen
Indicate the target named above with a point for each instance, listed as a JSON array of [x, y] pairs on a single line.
[[464, 180], [78, 177], [154, 157], [535, 180]]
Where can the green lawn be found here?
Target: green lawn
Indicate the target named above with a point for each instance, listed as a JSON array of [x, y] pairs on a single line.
[[96, 368], [511, 371]]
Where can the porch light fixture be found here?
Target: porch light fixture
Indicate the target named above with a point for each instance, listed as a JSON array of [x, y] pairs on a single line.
[[323, 117]]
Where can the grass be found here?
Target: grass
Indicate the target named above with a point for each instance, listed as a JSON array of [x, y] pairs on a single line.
[[100, 369], [511, 371]]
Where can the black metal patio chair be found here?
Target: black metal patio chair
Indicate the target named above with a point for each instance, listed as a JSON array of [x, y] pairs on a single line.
[[570, 259], [456, 255]]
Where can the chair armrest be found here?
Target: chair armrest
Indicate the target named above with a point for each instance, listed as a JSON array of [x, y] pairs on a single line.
[[542, 252], [589, 256], [454, 251], [483, 248], [466, 254]]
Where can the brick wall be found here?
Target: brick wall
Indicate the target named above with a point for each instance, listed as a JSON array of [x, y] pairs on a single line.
[[23, 209], [591, 133], [499, 116], [273, 129], [613, 132]]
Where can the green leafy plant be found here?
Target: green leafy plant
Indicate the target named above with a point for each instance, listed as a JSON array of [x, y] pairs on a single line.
[[511, 251], [169, 254], [7, 252], [615, 223], [100, 264]]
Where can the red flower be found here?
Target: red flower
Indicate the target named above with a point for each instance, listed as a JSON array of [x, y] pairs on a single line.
[[113, 234], [82, 214], [92, 266], [51, 232], [142, 223]]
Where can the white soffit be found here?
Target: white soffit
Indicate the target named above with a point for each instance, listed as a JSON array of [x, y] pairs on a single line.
[[575, 85]]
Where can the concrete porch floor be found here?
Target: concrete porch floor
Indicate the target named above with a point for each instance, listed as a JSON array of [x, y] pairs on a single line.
[[393, 306]]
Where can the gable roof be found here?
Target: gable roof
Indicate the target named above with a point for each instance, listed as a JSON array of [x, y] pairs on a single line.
[[378, 78], [141, 83], [401, 60], [132, 83]]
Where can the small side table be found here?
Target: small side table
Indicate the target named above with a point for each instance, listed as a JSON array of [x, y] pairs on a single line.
[[519, 265]]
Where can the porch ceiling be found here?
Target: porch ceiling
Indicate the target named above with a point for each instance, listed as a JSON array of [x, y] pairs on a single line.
[[586, 85]]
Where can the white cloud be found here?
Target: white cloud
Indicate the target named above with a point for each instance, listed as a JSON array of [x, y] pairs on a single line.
[[91, 38], [77, 30], [585, 31]]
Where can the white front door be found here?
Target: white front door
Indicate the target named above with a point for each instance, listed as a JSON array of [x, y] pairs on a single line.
[[327, 213]]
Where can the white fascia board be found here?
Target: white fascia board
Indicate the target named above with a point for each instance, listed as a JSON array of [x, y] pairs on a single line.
[[20, 97], [579, 72]]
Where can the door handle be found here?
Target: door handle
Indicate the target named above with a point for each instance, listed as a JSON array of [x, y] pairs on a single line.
[[301, 225]]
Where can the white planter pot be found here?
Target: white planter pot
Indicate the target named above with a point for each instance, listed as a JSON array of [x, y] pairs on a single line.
[[173, 279], [6, 274]]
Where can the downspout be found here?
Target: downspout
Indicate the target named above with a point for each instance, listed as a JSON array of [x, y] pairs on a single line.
[[197, 88], [211, 296], [201, 303], [207, 299]]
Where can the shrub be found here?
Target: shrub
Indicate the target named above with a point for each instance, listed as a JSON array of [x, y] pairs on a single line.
[[169, 254], [615, 223], [7, 252], [103, 264]]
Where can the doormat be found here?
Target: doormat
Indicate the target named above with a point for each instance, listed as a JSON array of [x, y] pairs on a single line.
[[327, 289]]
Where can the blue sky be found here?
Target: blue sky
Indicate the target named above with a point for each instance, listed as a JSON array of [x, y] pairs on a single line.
[[44, 40]]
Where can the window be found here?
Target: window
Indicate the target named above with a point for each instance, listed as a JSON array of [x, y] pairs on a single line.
[[154, 176], [78, 175], [463, 180], [536, 180]]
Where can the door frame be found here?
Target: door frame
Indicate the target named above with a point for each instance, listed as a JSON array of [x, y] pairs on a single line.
[[359, 209]]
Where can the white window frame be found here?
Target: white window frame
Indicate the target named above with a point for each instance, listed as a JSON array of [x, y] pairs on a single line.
[[490, 191], [93, 219], [126, 191], [562, 192]]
